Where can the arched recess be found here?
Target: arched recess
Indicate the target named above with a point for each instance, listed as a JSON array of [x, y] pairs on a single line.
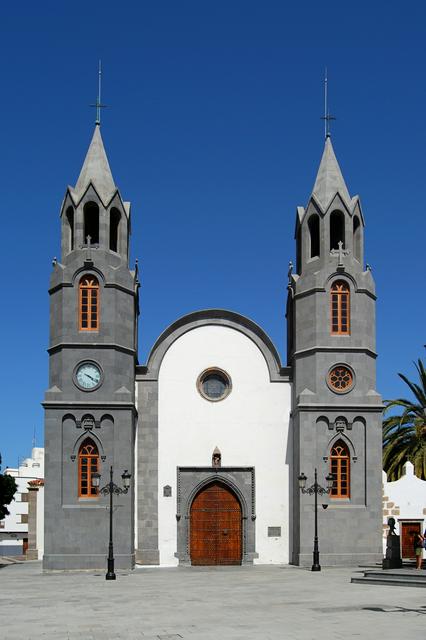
[[216, 525], [337, 229], [357, 238], [359, 420], [314, 235], [82, 437], [322, 421], [93, 271], [107, 421], [334, 439], [91, 223], [69, 215], [114, 229], [68, 421]]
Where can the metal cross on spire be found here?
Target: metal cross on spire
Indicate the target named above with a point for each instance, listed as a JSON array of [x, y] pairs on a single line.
[[326, 117], [99, 104]]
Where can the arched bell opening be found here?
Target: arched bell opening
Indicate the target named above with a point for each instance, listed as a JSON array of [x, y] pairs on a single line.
[[337, 229], [91, 223], [357, 238], [69, 216], [114, 228], [314, 236]]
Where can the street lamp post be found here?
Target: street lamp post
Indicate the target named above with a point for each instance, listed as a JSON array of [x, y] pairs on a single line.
[[316, 489], [110, 489]]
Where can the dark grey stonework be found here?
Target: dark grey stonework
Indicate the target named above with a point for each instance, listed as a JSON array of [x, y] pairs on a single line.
[[241, 480], [76, 529], [350, 529], [147, 455]]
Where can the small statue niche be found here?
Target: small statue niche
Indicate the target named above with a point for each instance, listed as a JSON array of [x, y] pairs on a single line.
[[216, 458]]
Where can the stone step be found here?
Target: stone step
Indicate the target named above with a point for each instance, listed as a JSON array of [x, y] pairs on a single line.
[[399, 577], [407, 575], [390, 583]]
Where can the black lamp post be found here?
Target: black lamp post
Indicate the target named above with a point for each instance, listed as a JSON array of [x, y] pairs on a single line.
[[316, 489], [111, 489]]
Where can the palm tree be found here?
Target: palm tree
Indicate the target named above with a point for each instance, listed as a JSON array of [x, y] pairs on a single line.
[[404, 436]]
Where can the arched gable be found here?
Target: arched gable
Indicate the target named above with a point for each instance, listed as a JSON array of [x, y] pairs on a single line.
[[218, 317]]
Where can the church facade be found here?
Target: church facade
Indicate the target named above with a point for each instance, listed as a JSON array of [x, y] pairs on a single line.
[[213, 429]]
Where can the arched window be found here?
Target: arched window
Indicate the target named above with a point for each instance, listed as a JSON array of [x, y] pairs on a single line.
[[314, 235], [88, 463], [114, 224], [357, 238], [91, 222], [340, 308], [88, 303], [340, 470], [70, 220], [337, 229]]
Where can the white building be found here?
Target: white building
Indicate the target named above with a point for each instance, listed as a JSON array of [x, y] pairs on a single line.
[[14, 538], [405, 501]]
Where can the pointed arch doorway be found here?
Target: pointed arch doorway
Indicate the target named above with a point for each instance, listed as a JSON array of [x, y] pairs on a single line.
[[215, 526]]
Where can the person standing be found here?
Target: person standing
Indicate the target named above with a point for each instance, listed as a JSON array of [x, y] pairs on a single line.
[[418, 549]]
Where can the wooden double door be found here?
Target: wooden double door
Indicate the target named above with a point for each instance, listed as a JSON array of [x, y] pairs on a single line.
[[215, 527], [409, 530]]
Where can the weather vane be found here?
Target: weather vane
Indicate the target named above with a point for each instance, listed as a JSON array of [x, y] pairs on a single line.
[[326, 117], [99, 104]]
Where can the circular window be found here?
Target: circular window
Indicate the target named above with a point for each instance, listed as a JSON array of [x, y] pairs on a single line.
[[340, 379], [214, 384]]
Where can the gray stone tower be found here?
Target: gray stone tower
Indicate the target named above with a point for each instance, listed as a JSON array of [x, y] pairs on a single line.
[[331, 348], [90, 403]]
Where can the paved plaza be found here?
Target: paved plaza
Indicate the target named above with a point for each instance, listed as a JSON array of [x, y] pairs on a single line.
[[205, 603]]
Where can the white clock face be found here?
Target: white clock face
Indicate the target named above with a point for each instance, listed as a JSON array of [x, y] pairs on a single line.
[[88, 376]]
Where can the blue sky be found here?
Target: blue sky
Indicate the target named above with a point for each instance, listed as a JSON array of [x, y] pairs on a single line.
[[213, 132]]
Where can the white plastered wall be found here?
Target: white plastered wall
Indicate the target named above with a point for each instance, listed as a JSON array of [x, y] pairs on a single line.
[[250, 427], [405, 501]]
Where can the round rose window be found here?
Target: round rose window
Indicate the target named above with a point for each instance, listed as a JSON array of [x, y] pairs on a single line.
[[214, 384], [340, 379]]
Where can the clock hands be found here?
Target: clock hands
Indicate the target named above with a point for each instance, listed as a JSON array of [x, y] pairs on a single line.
[[88, 377]]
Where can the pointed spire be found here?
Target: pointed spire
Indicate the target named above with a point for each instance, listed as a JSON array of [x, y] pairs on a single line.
[[96, 169], [329, 180]]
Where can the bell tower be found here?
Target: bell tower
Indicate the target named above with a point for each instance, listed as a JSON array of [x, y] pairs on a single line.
[[89, 406], [332, 350]]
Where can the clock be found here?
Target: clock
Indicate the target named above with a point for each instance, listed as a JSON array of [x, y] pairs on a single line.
[[88, 376]]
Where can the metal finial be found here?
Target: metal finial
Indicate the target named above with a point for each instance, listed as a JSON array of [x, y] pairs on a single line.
[[326, 117], [99, 104]]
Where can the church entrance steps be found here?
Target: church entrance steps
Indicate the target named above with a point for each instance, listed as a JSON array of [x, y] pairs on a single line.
[[395, 578]]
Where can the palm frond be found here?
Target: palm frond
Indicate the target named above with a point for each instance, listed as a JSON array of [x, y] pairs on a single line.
[[404, 434]]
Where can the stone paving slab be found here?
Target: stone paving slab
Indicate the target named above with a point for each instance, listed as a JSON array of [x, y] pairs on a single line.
[[200, 603]]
